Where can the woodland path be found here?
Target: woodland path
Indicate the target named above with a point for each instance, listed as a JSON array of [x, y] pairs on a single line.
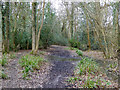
[[63, 63]]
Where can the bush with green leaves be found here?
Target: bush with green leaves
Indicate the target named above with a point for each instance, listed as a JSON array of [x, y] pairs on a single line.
[[74, 43], [79, 52], [30, 63]]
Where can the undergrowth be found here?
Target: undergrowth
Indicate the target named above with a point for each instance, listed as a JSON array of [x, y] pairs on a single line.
[[12, 56], [79, 52], [87, 65], [29, 63], [88, 75], [3, 75], [3, 61]]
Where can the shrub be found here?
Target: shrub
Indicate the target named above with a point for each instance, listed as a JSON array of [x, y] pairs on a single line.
[[79, 52], [74, 43], [30, 63]]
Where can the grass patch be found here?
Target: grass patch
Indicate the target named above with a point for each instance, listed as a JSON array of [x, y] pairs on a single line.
[[87, 65], [29, 63], [88, 75], [71, 48], [12, 56], [3, 61], [3, 75], [42, 52], [79, 52]]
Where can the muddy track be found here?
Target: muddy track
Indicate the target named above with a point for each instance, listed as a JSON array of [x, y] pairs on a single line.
[[61, 69]]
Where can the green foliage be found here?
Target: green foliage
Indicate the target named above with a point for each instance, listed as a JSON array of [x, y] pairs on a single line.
[[88, 69], [87, 65], [71, 48], [30, 63], [3, 61], [92, 83], [113, 65], [12, 56], [31, 52], [74, 43], [79, 52], [3, 75], [73, 79], [50, 33], [42, 52], [96, 83]]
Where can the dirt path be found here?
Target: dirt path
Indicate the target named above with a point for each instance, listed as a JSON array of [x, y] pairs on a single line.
[[62, 67]]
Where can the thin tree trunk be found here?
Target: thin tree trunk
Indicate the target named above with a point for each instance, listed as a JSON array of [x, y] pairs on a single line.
[[71, 21], [69, 25], [100, 27], [119, 40], [38, 38], [7, 27], [88, 36], [38, 16], [119, 25], [33, 26], [0, 30], [15, 25], [3, 29]]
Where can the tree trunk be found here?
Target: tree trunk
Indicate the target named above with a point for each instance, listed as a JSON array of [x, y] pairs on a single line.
[[88, 36], [3, 29], [71, 21], [38, 37], [69, 25], [0, 30], [33, 26], [119, 25], [119, 40], [100, 27], [7, 28]]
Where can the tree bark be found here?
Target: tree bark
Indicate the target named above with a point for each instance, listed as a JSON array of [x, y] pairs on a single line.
[[119, 40], [3, 29], [33, 26], [88, 36], [119, 25], [0, 29], [7, 28], [72, 18]]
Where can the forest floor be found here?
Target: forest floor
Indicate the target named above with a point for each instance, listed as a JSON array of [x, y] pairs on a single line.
[[53, 74]]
